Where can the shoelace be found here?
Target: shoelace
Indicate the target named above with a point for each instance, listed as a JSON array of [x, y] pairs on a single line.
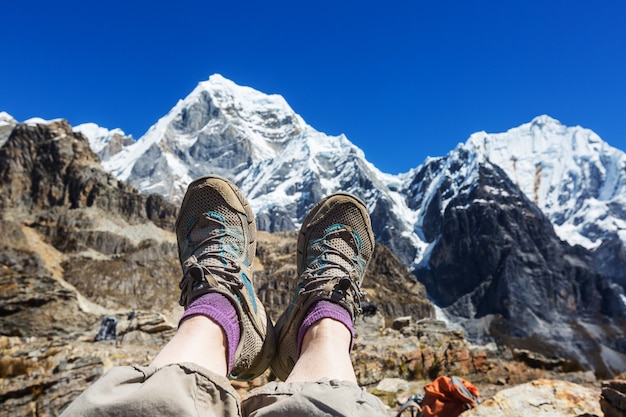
[[224, 269], [312, 284], [325, 272]]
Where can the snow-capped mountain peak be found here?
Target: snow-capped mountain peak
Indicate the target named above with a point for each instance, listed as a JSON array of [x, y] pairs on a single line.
[[100, 137], [6, 118], [569, 172], [220, 121], [269, 114], [253, 138]]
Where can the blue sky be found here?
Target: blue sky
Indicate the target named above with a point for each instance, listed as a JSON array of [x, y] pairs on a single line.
[[402, 79]]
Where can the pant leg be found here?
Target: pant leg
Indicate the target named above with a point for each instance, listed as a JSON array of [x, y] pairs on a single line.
[[175, 390], [312, 399]]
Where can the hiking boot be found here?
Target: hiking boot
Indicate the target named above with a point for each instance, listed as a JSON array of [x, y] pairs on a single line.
[[216, 235], [334, 246]]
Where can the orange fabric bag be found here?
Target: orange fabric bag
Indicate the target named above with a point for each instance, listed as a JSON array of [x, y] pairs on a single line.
[[449, 397]]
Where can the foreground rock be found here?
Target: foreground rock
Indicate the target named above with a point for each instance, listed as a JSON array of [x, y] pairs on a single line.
[[539, 399], [395, 364], [613, 401], [40, 376]]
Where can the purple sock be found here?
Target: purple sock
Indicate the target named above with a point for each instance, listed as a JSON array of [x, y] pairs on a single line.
[[321, 310], [219, 309]]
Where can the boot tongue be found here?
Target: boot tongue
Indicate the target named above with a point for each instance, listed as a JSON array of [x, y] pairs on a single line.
[[207, 231], [331, 255]]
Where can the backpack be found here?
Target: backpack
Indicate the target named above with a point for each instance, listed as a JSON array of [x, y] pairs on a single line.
[[449, 397]]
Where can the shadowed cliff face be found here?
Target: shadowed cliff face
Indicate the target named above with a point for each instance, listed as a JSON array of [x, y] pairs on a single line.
[[499, 268], [44, 166]]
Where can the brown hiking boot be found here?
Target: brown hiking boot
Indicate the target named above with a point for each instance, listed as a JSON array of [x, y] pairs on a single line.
[[334, 246], [216, 235]]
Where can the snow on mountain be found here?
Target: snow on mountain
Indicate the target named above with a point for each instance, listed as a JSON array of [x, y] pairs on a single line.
[[6, 119], [38, 121], [576, 179], [101, 140], [281, 164], [284, 165], [7, 123], [220, 127]]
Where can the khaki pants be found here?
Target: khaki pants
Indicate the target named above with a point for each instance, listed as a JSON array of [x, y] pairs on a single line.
[[188, 390]]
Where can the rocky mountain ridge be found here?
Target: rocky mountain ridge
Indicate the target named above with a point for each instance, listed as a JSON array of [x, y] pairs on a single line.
[[497, 267]]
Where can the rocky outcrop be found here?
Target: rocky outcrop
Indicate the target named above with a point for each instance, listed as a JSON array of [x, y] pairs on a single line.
[[34, 301], [41, 376], [102, 235], [393, 289], [613, 400], [540, 398], [537, 360], [43, 166]]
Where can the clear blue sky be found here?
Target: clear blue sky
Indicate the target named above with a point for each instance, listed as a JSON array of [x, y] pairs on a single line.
[[402, 79]]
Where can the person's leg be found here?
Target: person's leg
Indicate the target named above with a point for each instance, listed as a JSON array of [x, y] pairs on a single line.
[[325, 353], [316, 330], [194, 339], [223, 331]]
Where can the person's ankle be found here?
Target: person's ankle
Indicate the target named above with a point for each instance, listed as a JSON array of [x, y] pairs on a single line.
[[327, 331], [217, 308], [322, 312]]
